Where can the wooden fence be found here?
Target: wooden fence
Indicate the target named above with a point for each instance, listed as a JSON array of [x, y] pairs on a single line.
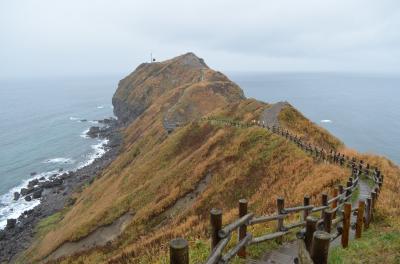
[[320, 223]]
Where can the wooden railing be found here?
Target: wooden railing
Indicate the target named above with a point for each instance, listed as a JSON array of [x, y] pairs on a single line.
[[320, 224]]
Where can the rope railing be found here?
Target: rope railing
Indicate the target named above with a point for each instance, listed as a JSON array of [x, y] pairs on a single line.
[[316, 231]]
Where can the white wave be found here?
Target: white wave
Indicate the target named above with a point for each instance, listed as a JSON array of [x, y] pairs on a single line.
[[60, 160], [326, 121], [73, 118], [98, 151], [93, 122], [100, 107], [13, 209], [84, 134]]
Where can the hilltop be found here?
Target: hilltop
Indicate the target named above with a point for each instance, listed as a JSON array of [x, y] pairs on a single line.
[[163, 183]]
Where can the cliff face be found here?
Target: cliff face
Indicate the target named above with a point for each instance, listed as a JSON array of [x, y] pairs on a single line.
[[188, 75]]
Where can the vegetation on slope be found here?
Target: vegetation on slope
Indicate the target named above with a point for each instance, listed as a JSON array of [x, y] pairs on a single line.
[[295, 122], [170, 182]]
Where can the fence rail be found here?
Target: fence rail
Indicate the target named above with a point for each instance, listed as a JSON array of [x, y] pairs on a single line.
[[317, 232]]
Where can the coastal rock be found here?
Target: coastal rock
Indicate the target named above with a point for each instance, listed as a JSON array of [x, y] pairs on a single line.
[[83, 120], [11, 223], [108, 121], [26, 191], [60, 169], [2, 235], [37, 194], [93, 132], [52, 183], [42, 178], [33, 173], [32, 183], [28, 198], [16, 196]]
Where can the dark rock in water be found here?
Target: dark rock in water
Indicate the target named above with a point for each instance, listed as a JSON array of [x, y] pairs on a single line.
[[108, 121], [65, 176], [11, 223], [33, 183], [25, 191], [42, 178], [93, 132], [83, 120], [16, 196], [37, 194], [33, 173], [60, 169], [52, 183], [28, 198]]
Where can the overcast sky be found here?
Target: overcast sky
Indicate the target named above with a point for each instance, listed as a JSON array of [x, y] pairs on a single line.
[[81, 37]]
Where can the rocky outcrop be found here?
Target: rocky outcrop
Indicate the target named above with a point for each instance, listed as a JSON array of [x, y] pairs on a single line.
[[187, 74]]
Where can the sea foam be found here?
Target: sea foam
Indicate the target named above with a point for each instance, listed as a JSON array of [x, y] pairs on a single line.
[[60, 160]]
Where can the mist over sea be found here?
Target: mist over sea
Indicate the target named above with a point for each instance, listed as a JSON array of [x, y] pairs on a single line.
[[43, 122], [363, 110], [42, 129]]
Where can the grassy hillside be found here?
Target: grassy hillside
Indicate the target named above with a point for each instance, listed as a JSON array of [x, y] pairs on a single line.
[[169, 182], [293, 120], [155, 171]]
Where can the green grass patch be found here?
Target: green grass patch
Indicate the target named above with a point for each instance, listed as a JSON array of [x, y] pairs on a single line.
[[375, 246], [48, 223]]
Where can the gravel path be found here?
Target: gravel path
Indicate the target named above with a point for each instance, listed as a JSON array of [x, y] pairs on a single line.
[[270, 115]]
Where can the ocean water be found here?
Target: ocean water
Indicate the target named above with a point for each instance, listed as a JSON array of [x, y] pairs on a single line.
[[41, 130], [363, 110]]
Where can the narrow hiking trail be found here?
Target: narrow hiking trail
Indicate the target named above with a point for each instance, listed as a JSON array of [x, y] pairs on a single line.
[[361, 190], [289, 252]]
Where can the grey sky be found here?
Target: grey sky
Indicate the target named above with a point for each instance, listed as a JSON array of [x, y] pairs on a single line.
[[82, 37]]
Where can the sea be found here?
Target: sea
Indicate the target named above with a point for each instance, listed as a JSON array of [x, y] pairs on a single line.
[[43, 125], [43, 121]]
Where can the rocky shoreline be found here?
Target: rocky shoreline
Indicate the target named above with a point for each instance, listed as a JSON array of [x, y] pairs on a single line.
[[55, 193]]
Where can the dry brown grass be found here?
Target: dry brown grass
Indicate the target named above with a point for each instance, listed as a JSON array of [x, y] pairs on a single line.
[[251, 163], [295, 122]]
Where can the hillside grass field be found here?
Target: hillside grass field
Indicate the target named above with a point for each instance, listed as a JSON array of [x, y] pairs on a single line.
[[170, 182]]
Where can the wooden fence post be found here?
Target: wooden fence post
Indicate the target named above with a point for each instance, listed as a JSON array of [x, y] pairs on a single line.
[[346, 224], [373, 195], [368, 212], [328, 221], [280, 204], [324, 202], [335, 203], [360, 218], [320, 247], [306, 202], [178, 251], [311, 226], [349, 184], [216, 225], [242, 229], [373, 204]]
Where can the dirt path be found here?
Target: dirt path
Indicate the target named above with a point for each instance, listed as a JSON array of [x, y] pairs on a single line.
[[105, 234], [100, 237], [287, 253], [270, 115]]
